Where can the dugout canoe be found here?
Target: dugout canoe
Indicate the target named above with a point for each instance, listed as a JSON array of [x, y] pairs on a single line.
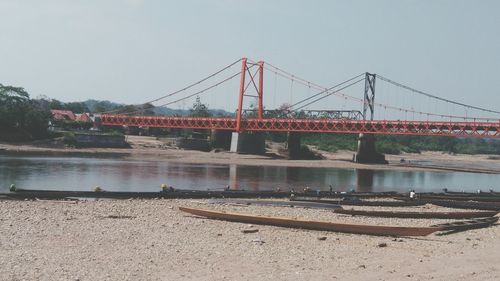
[[485, 206], [275, 203], [346, 228], [21, 194], [455, 197], [463, 193], [457, 226], [315, 225], [360, 202], [418, 215]]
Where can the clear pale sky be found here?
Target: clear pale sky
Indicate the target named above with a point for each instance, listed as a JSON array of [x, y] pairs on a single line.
[[133, 50]]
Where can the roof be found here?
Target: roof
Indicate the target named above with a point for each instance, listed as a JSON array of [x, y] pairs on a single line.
[[84, 117], [58, 114]]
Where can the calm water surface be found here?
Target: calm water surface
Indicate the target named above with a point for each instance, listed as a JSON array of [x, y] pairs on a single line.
[[114, 174]]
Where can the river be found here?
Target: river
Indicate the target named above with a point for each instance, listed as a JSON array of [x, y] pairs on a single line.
[[115, 174]]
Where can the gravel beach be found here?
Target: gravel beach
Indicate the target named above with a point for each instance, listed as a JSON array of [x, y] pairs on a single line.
[[153, 240]]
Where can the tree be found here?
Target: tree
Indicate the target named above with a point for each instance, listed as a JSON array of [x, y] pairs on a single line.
[[56, 104], [199, 109], [76, 107], [20, 116]]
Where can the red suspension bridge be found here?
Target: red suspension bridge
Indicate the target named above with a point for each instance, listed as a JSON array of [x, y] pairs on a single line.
[[295, 118]]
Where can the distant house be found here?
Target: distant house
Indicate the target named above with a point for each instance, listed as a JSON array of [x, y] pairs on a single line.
[[67, 120], [63, 115], [84, 118]]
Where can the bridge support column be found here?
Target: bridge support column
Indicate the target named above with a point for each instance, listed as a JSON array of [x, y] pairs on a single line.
[[293, 145], [221, 139], [248, 143], [366, 151]]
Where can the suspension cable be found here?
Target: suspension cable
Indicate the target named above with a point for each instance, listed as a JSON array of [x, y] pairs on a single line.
[[435, 97], [328, 94], [184, 98], [201, 91], [329, 89], [185, 88]]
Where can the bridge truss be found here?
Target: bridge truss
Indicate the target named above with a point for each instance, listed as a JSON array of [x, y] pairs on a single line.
[[386, 127]]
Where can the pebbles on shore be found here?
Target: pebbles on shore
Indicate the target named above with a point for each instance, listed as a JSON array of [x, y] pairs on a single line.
[[153, 240]]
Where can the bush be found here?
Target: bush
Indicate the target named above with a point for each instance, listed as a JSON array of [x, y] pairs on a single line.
[[69, 138], [388, 148]]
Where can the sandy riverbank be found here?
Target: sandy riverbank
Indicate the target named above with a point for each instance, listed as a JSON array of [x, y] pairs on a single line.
[[155, 241], [149, 148]]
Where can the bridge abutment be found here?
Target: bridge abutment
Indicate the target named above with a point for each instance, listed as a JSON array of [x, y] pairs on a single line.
[[248, 142], [366, 151]]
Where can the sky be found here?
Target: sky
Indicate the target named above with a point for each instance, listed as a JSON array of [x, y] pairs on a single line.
[[132, 51]]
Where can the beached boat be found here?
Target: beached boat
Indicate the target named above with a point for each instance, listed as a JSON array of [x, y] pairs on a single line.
[[177, 193], [455, 197], [486, 206], [372, 213], [315, 225], [463, 193], [275, 203], [418, 215], [407, 202], [351, 202], [458, 226]]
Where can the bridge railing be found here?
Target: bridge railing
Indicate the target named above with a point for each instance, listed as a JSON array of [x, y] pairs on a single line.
[[304, 114]]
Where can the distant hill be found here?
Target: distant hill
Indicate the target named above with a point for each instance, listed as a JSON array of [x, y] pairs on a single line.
[[100, 106], [93, 105]]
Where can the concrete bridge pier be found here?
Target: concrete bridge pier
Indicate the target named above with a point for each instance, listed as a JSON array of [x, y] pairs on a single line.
[[366, 151], [293, 145], [248, 143], [221, 139]]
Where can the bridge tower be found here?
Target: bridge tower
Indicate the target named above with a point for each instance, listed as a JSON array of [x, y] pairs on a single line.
[[366, 152], [248, 142]]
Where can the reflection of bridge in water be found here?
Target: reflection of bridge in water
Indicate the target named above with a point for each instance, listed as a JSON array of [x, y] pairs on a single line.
[[298, 178], [364, 180]]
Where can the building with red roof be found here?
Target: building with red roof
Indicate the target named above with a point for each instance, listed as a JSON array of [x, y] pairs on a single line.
[[62, 115]]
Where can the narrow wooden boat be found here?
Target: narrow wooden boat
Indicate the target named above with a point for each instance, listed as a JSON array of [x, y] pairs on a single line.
[[458, 226], [360, 202], [315, 225], [417, 215], [350, 194], [456, 197], [485, 206], [178, 193], [484, 194], [346, 228], [275, 203]]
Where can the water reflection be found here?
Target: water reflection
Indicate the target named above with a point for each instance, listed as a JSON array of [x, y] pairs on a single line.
[[76, 173], [364, 181]]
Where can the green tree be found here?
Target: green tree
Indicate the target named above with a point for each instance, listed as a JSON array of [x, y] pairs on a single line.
[[76, 107], [21, 117], [199, 109], [56, 104]]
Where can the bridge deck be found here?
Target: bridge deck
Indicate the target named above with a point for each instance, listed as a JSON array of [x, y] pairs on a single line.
[[388, 127]]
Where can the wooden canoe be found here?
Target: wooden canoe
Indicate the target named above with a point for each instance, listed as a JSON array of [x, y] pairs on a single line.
[[315, 225], [418, 215], [275, 203], [492, 199], [360, 202], [21, 194], [457, 226], [488, 206]]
